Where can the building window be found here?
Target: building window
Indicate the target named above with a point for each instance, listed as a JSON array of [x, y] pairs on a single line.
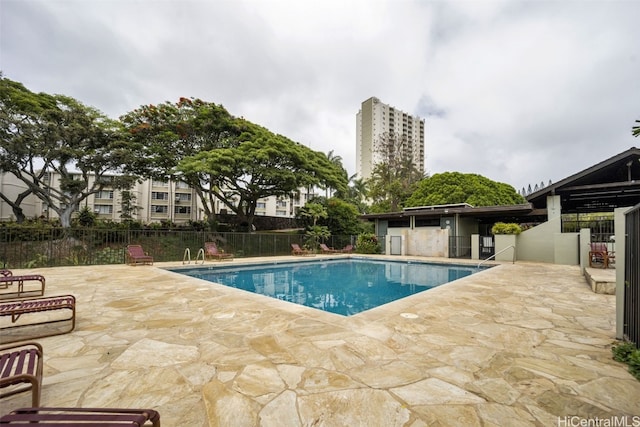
[[261, 205], [159, 195], [399, 223], [281, 213], [183, 197], [182, 185], [281, 204], [106, 179], [182, 210], [156, 183], [103, 209], [104, 194], [427, 222], [159, 209]]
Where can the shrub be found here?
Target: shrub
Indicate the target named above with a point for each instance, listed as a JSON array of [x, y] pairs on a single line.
[[634, 364], [622, 351], [367, 243], [626, 352], [506, 228]]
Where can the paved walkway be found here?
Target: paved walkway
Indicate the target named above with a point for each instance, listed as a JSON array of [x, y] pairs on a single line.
[[517, 345]]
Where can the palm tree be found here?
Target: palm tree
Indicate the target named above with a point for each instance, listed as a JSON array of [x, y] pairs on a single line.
[[635, 131], [336, 160]]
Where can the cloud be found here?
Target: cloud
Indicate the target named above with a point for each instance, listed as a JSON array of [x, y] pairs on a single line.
[[520, 92]]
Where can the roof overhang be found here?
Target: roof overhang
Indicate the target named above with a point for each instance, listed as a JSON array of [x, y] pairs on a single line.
[[523, 212]]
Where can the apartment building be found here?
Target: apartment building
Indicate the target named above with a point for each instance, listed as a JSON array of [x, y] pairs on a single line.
[[156, 201], [377, 122]]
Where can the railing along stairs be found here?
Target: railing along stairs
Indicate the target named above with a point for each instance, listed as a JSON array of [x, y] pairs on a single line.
[[513, 261]]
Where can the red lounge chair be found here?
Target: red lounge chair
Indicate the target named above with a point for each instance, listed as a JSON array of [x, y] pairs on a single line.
[[21, 309], [135, 255], [211, 251], [87, 417], [7, 279], [21, 364], [599, 255], [347, 249], [297, 250], [327, 250]]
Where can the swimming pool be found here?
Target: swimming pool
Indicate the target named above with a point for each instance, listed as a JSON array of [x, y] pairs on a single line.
[[341, 286]]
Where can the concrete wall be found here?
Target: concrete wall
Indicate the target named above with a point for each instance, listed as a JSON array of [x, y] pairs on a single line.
[[428, 241], [422, 241], [545, 243], [537, 243], [503, 243], [566, 248]]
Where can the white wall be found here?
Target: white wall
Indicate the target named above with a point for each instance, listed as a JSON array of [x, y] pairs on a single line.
[[427, 241]]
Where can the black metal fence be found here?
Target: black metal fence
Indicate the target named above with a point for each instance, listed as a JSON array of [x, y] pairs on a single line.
[[631, 327], [601, 228], [32, 247]]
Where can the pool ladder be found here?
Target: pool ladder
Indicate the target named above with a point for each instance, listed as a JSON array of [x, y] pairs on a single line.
[[186, 258]]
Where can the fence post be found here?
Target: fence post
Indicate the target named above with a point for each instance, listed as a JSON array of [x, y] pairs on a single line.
[[621, 244]]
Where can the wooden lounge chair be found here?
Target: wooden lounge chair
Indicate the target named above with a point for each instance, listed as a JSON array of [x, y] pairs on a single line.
[[27, 314], [297, 250], [136, 255], [7, 280], [87, 417], [21, 364], [327, 250], [211, 252]]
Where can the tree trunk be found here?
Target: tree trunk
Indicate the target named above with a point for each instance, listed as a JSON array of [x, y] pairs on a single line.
[[65, 217], [20, 216]]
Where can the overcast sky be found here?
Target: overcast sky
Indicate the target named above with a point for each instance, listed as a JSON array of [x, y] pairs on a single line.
[[517, 91]]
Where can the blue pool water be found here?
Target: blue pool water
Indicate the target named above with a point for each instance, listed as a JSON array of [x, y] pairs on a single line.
[[344, 286]]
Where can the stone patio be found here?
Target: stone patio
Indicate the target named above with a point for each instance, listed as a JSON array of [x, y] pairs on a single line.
[[518, 344]]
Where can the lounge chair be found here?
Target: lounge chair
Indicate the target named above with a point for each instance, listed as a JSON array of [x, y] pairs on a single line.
[[21, 311], [94, 417], [297, 250], [136, 255], [327, 250], [7, 280], [600, 256], [347, 249], [211, 251], [21, 364]]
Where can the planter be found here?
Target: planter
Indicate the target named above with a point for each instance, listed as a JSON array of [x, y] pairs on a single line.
[[503, 241]]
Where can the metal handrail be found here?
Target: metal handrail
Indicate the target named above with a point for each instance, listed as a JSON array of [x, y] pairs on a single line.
[[498, 253], [200, 252], [186, 258]]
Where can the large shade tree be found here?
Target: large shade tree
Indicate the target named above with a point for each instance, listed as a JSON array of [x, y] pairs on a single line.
[[261, 164], [456, 187], [54, 133], [168, 133], [21, 127]]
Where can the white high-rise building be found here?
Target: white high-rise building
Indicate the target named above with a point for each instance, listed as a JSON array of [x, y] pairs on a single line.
[[377, 122]]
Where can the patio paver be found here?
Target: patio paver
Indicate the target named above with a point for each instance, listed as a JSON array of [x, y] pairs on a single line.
[[518, 344]]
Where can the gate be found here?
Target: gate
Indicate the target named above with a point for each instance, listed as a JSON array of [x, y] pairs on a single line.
[[631, 328], [487, 247], [459, 246], [396, 245]]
